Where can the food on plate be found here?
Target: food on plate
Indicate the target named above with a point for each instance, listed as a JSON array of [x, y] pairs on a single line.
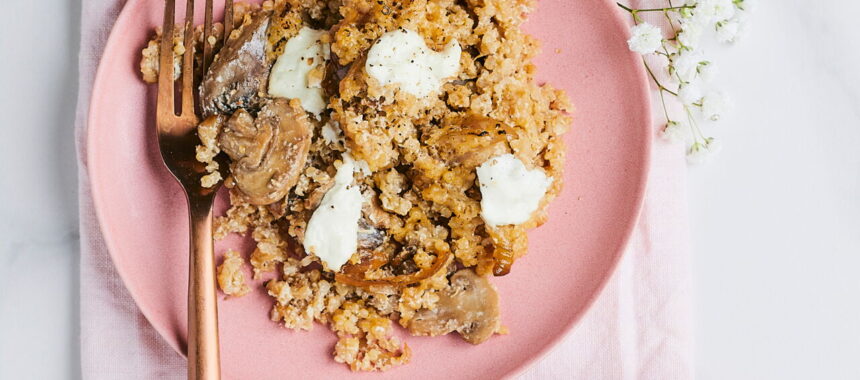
[[230, 278], [267, 152], [469, 305], [386, 157], [240, 73]]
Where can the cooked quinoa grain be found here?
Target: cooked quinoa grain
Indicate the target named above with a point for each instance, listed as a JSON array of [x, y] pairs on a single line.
[[231, 280], [421, 217]]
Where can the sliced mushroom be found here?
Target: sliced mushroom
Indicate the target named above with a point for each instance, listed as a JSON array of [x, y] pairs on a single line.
[[469, 306], [375, 223], [369, 237], [268, 153], [239, 73], [471, 141]]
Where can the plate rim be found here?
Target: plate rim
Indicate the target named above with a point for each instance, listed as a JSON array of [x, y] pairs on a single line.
[[95, 191], [642, 91]]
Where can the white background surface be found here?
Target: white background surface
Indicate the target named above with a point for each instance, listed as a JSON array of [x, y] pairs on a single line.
[[775, 219]]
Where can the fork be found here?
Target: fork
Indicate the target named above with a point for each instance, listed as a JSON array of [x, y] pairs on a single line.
[[177, 139]]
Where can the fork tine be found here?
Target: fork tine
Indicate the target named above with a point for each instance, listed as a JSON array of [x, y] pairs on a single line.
[[165, 106], [207, 34], [228, 19], [188, 62]]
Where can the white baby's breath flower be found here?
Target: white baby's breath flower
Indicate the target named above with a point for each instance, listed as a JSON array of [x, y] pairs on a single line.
[[707, 71], [737, 27], [701, 152], [728, 31], [673, 132], [723, 9], [715, 104], [685, 12], [686, 64], [748, 5], [690, 93], [714, 10], [646, 38], [691, 32], [689, 70]]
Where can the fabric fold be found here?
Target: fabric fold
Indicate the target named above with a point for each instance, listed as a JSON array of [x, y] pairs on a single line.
[[117, 342]]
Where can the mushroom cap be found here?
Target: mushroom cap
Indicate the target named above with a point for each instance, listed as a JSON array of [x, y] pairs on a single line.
[[239, 72], [268, 153], [469, 305], [471, 141]]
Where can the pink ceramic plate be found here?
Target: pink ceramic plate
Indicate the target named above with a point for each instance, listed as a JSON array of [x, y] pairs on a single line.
[[145, 223]]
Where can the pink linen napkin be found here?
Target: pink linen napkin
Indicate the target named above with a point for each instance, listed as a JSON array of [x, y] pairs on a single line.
[[639, 328], [117, 342]]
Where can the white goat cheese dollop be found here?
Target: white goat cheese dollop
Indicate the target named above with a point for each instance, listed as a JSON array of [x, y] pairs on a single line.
[[289, 76], [402, 57], [332, 232], [510, 193]]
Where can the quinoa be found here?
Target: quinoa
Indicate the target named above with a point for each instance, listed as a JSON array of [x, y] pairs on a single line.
[[423, 203], [231, 280]]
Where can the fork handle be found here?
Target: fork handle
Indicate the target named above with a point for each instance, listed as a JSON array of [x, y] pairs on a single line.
[[203, 348]]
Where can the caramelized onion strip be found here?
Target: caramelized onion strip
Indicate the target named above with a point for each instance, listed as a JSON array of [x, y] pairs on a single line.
[[358, 279]]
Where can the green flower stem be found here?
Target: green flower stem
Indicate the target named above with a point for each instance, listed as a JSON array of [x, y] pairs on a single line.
[[675, 74], [667, 9], [665, 109], [669, 19], [657, 82], [662, 90], [697, 133]]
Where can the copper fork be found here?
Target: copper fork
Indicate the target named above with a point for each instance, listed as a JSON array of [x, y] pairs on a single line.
[[177, 139]]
